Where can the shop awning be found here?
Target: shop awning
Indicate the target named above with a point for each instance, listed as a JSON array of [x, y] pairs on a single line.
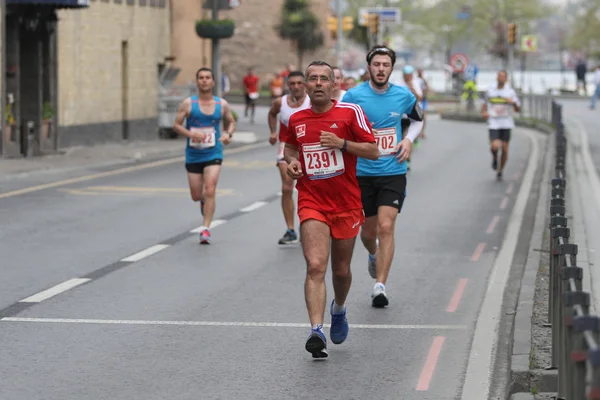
[[53, 3]]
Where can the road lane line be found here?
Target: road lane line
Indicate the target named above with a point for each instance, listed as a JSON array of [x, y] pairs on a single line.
[[254, 206], [458, 293], [430, 363], [504, 203], [53, 291], [223, 323], [492, 225], [509, 188], [478, 251], [482, 355], [145, 253], [119, 171], [213, 225]]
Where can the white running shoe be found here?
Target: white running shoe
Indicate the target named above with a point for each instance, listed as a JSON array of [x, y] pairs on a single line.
[[379, 297]]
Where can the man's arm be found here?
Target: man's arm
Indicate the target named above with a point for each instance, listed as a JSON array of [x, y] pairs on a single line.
[[228, 121], [272, 117], [364, 145], [182, 114], [415, 115], [290, 152], [516, 102]]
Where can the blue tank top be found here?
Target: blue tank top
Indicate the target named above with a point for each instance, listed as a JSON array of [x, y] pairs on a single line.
[[210, 149]]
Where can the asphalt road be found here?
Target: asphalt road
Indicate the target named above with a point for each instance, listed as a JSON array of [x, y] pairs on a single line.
[[228, 321]]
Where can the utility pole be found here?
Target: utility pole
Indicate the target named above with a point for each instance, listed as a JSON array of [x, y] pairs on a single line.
[[216, 62], [340, 34]]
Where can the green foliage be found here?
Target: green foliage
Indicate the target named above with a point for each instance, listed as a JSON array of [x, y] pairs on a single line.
[[359, 34], [219, 29], [301, 26], [584, 34]]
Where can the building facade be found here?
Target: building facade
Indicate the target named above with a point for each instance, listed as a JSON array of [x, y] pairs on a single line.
[[109, 60], [79, 72]]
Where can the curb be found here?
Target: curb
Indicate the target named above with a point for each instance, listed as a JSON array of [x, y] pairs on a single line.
[[141, 157]]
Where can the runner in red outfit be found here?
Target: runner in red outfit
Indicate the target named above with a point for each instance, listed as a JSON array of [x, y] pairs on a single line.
[[321, 150]]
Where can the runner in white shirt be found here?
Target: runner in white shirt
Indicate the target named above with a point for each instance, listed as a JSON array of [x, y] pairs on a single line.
[[338, 93], [500, 101], [285, 106]]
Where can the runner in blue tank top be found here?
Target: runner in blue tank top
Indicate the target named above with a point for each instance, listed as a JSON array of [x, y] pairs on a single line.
[[383, 181], [203, 114]]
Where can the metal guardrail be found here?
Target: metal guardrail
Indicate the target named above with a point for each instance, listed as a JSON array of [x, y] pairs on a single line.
[[575, 332]]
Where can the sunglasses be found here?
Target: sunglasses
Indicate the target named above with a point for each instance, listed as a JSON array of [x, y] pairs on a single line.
[[380, 50]]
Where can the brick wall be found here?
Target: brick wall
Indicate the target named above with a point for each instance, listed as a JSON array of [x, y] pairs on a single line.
[[255, 42], [89, 60]]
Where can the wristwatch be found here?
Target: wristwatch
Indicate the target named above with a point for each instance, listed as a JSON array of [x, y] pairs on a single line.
[[345, 146]]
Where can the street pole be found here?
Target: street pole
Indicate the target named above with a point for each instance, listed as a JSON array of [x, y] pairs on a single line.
[[216, 62], [340, 37], [511, 64]]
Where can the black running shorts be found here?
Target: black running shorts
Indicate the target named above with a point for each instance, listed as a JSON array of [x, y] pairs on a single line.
[[379, 191]]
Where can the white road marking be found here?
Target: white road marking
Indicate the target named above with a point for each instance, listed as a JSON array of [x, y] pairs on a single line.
[[221, 323], [483, 348], [213, 225], [254, 206], [244, 137], [145, 253], [53, 291]]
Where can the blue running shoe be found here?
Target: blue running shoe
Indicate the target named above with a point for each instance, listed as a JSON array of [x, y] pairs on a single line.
[[316, 344], [339, 326]]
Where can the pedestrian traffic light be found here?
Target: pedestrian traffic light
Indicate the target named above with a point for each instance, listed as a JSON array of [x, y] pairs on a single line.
[[374, 23], [512, 33], [347, 23], [332, 24]]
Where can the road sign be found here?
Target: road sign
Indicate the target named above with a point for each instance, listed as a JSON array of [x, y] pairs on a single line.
[[387, 15], [529, 43], [459, 62]]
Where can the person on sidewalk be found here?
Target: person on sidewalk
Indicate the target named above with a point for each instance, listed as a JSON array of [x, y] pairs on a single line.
[[596, 93], [203, 114], [500, 100]]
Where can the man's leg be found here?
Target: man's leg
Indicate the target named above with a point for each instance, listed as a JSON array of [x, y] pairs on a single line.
[[315, 245], [386, 224], [495, 144], [368, 233], [287, 205], [196, 183], [211, 177], [504, 157]]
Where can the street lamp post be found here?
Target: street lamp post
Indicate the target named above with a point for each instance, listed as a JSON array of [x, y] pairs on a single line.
[[216, 67]]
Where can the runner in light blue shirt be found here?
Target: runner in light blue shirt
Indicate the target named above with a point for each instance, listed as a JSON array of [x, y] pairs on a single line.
[[383, 181]]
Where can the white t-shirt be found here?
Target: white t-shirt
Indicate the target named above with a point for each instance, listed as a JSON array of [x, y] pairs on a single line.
[[501, 114]]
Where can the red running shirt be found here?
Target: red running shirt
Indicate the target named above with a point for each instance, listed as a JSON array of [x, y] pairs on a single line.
[[251, 83], [329, 183]]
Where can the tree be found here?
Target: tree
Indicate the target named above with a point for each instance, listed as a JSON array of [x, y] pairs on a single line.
[[485, 26], [301, 26], [585, 28]]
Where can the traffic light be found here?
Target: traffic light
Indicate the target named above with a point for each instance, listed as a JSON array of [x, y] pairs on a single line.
[[332, 24], [347, 23], [512, 33], [374, 23]]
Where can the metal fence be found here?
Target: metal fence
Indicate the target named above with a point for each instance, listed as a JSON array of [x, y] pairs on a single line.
[[536, 107], [575, 332]]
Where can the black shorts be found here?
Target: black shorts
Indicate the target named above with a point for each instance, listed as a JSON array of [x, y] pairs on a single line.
[[500, 134], [382, 191], [198, 168]]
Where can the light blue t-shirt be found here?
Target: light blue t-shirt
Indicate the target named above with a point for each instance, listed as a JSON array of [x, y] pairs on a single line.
[[384, 111]]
